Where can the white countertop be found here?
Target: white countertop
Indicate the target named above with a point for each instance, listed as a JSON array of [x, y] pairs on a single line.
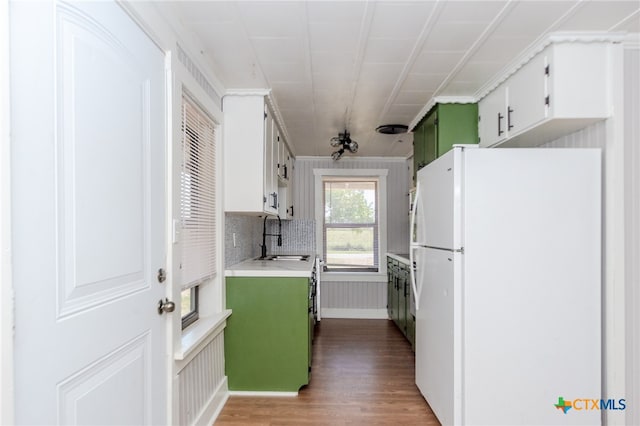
[[404, 258], [272, 268]]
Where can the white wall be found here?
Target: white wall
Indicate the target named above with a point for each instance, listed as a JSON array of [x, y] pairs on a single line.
[[358, 299], [632, 224], [193, 400], [6, 288], [619, 139]]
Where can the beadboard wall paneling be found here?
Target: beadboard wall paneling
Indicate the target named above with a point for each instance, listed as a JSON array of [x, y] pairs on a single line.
[[632, 226], [200, 382], [397, 192], [594, 136], [353, 295], [364, 296]]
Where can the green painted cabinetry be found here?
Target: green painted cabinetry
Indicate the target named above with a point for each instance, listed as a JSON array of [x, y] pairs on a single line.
[[442, 127], [399, 297], [269, 335]]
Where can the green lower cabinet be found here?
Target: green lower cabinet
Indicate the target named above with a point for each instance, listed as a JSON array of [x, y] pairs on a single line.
[[399, 298], [267, 338]]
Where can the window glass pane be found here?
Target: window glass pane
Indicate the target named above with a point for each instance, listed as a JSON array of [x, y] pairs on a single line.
[[187, 302], [350, 202], [350, 247]]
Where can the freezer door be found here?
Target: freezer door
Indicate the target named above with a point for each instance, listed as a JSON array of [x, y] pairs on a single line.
[[436, 332], [435, 215]]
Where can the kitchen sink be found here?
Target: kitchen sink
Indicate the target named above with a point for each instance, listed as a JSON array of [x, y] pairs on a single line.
[[298, 257]]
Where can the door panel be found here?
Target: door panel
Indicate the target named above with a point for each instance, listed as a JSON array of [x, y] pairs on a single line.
[[435, 213], [88, 177], [435, 331]]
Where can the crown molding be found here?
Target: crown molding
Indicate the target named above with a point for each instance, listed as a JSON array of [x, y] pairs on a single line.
[[440, 100], [551, 38], [268, 95]]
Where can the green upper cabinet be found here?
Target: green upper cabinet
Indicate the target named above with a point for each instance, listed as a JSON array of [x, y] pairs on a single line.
[[444, 126]]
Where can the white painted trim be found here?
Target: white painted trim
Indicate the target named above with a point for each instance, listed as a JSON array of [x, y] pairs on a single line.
[[440, 100], [199, 334], [355, 313], [614, 305], [155, 18], [216, 403], [263, 393], [6, 285], [526, 55], [268, 95], [381, 175]]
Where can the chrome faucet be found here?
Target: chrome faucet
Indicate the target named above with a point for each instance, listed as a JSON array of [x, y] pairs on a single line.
[[264, 235]]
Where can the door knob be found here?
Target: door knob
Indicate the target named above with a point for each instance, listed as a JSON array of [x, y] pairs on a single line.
[[165, 306]]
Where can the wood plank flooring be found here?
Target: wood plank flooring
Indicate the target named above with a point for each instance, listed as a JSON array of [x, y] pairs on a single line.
[[362, 374]]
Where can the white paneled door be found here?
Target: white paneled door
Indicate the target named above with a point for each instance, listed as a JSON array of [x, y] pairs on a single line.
[[88, 159]]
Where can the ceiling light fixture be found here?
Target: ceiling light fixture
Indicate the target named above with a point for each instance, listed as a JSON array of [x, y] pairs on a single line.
[[392, 129], [344, 142]]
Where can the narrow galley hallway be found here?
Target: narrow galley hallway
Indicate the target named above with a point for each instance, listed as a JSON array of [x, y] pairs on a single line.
[[362, 374]]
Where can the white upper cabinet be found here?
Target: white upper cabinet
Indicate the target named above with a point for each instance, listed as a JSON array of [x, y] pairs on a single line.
[[561, 89], [252, 154]]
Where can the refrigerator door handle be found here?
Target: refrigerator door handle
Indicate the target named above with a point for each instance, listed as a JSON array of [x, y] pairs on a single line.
[[412, 226], [412, 274], [412, 247]]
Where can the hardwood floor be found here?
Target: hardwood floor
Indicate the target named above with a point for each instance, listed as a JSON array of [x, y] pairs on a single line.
[[362, 374]]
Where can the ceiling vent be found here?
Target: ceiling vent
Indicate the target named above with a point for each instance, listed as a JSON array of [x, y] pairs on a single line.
[[392, 129]]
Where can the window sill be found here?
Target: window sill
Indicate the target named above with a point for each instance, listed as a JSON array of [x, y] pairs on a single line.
[[199, 331], [377, 277]]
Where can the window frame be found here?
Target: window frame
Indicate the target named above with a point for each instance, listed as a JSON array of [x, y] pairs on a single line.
[[194, 314], [375, 225], [381, 175]]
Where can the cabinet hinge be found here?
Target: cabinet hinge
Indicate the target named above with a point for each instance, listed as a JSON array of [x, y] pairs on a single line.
[[265, 115], [435, 122], [479, 118], [546, 101], [546, 70]]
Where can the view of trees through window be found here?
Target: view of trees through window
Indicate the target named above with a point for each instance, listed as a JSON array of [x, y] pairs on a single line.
[[350, 224]]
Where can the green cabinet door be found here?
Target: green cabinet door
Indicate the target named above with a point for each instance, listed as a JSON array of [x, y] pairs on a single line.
[[267, 342], [456, 124], [431, 137], [443, 126]]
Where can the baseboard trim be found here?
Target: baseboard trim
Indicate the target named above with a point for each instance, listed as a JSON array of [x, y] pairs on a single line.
[[262, 393], [215, 405], [355, 313]]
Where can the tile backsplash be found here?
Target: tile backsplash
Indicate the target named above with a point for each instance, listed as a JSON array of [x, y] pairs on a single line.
[[247, 241], [298, 236]]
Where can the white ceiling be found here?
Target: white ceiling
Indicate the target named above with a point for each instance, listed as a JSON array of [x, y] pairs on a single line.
[[357, 64]]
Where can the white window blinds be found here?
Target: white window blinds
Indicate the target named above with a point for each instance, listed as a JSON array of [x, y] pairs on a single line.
[[197, 195]]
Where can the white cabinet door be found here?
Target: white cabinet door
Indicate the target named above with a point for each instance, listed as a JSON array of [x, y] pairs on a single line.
[[538, 104], [526, 96], [492, 122], [88, 198], [270, 160]]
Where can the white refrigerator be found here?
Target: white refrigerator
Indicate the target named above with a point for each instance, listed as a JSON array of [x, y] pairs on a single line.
[[507, 281]]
